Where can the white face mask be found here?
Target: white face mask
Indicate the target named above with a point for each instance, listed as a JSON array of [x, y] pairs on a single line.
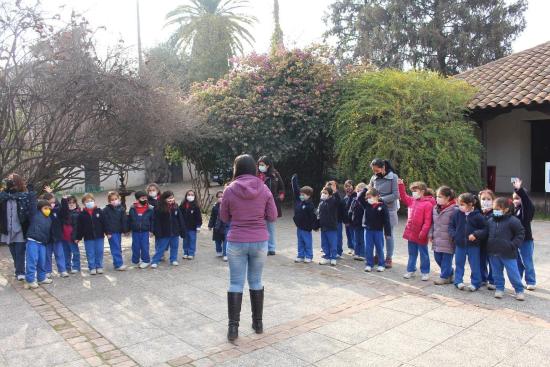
[[416, 195], [324, 197], [52, 205], [153, 194], [487, 204], [72, 206], [262, 168], [219, 200], [190, 198], [115, 203], [372, 201], [441, 201]]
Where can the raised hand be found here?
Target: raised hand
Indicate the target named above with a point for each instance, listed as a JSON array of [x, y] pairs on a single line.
[[517, 184]]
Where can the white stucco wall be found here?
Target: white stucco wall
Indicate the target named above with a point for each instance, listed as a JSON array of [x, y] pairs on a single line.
[[509, 146]]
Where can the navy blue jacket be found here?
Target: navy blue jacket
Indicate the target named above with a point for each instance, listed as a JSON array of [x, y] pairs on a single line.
[[504, 235], [525, 213], [356, 213], [69, 217], [168, 224], [218, 227], [462, 226], [57, 223], [114, 219], [346, 205], [140, 223], [192, 216], [40, 226], [340, 210], [25, 210], [90, 227], [304, 211], [328, 213], [376, 217]]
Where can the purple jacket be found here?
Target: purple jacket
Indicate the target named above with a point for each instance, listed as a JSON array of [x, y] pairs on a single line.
[[247, 203]]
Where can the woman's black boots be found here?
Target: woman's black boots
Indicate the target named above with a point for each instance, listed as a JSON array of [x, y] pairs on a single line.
[[234, 301], [257, 303]]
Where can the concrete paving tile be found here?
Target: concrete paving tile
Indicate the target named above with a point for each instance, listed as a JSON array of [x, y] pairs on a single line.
[[507, 328], [427, 329], [456, 316], [44, 355], [396, 345], [154, 351], [411, 304], [356, 357], [269, 357], [311, 347]]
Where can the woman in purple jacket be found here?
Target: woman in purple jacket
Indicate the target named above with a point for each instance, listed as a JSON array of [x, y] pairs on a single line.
[[247, 204]]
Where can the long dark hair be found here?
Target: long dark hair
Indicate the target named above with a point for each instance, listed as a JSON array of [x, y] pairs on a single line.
[[194, 204], [268, 162], [17, 182], [163, 205], [244, 165], [383, 163]]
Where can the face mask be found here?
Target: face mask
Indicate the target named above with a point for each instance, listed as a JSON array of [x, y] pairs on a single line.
[[190, 198], [517, 203], [72, 206], [262, 168], [10, 185], [90, 204], [304, 197], [441, 201], [46, 211], [486, 204], [380, 175], [324, 197], [498, 213], [372, 201], [153, 194], [416, 195], [52, 205], [115, 203], [464, 209], [220, 200], [143, 202]]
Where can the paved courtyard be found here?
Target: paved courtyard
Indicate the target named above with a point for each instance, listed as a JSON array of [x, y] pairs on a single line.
[[314, 316]]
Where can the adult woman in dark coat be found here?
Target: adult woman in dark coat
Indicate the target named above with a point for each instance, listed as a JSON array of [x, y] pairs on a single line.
[[273, 180]]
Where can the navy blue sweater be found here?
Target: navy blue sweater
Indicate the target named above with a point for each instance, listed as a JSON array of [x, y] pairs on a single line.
[[168, 224], [504, 236], [114, 219], [525, 213], [328, 213], [90, 227], [218, 227], [192, 216], [346, 204], [304, 211], [140, 223], [356, 213], [57, 223], [462, 226], [40, 228], [376, 217]]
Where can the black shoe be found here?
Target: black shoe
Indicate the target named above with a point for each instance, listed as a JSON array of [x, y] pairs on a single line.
[[271, 253], [257, 303], [234, 301]]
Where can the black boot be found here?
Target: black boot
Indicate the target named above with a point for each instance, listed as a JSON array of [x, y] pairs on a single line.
[[234, 301], [257, 303]]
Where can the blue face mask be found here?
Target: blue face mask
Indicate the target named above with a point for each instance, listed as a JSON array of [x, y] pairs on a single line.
[[302, 198], [498, 213]]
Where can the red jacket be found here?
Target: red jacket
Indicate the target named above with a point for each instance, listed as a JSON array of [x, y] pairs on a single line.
[[419, 219]]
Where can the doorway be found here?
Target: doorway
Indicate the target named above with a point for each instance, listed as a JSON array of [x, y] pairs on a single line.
[[540, 153]]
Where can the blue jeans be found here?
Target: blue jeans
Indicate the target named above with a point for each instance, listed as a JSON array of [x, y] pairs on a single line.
[[445, 262], [305, 244], [340, 239], [115, 244], [94, 253], [190, 243], [414, 249], [221, 247], [472, 253], [164, 244], [72, 255], [55, 249], [329, 244], [36, 262], [486, 269], [499, 264], [374, 239], [140, 247], [17, 250], [350, 235], [390, 242], [246, 260], [271, 229], [525, 262], [359, 236]]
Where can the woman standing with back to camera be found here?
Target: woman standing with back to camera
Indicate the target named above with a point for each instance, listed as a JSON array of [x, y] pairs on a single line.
[[247, 204]]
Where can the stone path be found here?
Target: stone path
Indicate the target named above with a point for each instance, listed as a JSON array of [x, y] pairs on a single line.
[[314, 316]]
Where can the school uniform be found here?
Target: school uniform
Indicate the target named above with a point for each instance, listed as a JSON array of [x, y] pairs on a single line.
[[91, 227], [305, 220], [192, 217], [340, 224], [168, 226], [219, 230], [328, 222], [69, 219], [460, 228], [39, 234], [376, 221], [356, 213], [55, 247], [115, 221], [485, 264], [346, 219], [442, 243], [525, 213], [140, 222]]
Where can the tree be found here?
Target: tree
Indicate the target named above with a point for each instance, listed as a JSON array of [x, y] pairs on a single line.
[[415, 119], [277, 39], [213, 31], [440, 35]]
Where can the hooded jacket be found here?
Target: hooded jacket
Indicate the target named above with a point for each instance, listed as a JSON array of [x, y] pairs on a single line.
[[441, 240], [504, 236], [247, 203]]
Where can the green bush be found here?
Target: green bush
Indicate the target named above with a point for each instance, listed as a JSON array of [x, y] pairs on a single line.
[[416, 119]]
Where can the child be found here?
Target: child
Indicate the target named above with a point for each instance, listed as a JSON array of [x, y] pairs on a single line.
[[192, 218], [305, 220], [69, 213], [38, 235], [376, 221], [153, 193], [140, 222], [504, 234], [524, 210], [442, 243], [115, 220], [356, 212], [55, 248], [465, 228], [418, 226], [486, 198], [346, 219], [168, 225], [91, 228], [328, 222], [218, 228]]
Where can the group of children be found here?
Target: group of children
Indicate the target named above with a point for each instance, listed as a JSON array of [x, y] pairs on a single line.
[[491, 233], [56, 229]]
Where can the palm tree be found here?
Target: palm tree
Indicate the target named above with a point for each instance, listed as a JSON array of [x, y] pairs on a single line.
[[214, 31]]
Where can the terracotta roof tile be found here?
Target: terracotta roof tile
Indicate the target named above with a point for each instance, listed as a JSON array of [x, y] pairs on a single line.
[[522, 78]]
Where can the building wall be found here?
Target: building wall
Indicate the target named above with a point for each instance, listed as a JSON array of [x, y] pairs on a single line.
[[509, 146]]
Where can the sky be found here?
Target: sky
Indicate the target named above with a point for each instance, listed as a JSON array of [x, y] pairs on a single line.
[[301, 20]]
